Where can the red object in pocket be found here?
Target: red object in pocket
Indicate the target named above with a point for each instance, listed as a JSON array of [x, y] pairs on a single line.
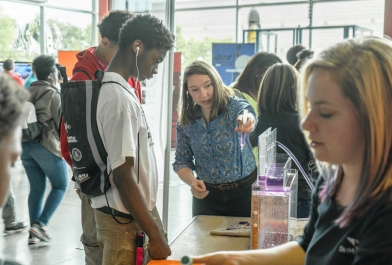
[[139, 255], [139, 249]]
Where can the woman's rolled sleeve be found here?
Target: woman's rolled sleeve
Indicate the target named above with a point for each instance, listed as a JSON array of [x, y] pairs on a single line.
[[184, 156]]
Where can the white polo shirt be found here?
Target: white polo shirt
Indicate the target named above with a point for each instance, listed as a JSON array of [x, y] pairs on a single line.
[[120, 118]]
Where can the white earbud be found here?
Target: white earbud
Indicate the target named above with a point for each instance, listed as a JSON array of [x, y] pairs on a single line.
[[137, 68]]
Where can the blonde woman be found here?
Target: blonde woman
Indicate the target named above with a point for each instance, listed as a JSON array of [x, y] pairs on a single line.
[[208, 142], [349, 120]]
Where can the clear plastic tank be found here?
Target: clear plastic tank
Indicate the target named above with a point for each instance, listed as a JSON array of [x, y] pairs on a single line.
[[274, 196]]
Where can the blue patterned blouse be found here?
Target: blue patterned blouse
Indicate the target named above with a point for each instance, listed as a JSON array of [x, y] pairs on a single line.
[[214, 152]]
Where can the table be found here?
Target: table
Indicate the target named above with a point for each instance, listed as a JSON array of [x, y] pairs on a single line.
[[195, 239]]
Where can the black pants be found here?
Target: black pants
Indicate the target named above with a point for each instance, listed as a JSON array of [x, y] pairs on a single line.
[[235, 202]]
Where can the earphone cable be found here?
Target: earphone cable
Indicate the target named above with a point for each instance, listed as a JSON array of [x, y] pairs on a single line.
[[137, 68]]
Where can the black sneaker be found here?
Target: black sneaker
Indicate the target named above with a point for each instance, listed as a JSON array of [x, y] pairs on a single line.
[[18, 228], [40, 231]]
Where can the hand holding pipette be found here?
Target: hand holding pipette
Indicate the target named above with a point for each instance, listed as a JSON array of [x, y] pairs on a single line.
[[246, 124], [244, 120]]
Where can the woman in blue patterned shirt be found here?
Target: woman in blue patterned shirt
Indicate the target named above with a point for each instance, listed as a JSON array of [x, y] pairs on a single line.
[[208, 142]]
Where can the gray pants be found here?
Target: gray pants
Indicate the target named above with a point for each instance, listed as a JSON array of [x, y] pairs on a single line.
[[8, 213], [93, 253]]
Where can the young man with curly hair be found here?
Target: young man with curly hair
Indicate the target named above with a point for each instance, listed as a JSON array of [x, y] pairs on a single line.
[[89, 61], [127, 139]]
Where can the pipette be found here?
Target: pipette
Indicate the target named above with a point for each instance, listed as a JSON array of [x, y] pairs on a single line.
[[244, 120]]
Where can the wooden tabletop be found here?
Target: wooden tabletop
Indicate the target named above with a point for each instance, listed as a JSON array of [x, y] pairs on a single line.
[[195, 239]]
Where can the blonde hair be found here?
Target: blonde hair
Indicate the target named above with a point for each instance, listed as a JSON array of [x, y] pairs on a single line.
[[188, 111], [363, 69], [278, 90]]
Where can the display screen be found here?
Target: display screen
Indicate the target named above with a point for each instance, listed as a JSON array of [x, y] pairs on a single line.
[[22, 69]]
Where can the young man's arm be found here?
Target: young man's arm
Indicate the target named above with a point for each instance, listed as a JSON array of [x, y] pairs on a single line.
[[133, 201]]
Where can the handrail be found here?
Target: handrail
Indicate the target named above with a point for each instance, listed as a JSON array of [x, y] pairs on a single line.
[[297, 32]]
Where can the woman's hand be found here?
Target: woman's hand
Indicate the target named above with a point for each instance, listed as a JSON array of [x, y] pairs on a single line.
[[222, 258], [246, 127], [198, 189]]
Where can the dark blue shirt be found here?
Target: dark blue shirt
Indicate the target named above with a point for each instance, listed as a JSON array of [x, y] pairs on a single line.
[[214, 151], [366, 240]]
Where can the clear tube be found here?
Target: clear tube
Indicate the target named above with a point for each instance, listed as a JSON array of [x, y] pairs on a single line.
[[244, 120], [295, 161]]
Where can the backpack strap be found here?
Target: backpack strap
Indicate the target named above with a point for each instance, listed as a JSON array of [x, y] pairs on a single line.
[[114, 82], [99, 75], [84, 72], [238, 94]]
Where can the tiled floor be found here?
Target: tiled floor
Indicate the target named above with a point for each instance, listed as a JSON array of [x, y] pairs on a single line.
[[64, 225]]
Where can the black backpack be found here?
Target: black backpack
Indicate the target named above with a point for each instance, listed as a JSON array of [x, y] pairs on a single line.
[[79, 100]]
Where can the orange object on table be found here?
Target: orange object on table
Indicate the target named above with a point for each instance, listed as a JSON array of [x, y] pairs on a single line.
[[168, 262]]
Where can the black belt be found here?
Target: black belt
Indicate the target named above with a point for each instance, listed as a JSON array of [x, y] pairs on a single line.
[[235, 184], [108, 210]]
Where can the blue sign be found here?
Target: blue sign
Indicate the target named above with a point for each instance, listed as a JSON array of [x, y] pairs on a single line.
[[230, 59]]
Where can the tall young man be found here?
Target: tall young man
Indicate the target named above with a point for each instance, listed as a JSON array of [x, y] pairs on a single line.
[[89, 61], [143, 44]]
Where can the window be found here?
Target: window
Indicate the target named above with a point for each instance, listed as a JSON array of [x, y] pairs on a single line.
[[67, 30], [19, 38], [75, 4]]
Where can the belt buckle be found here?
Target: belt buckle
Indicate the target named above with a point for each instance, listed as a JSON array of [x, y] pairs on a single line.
[[223, 186], [228, 186]]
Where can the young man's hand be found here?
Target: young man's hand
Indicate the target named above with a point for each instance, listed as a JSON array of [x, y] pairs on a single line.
[[158, 248]]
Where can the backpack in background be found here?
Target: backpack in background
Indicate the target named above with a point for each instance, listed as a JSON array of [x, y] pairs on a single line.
[[32, 127], [79, 100]]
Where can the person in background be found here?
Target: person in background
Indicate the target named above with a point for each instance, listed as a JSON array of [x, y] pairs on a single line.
[[41, 158], [62, 74], [98, 58], [248, 83], [291, 55], [349, 121], [32, 78], [8, 66], [208, 142], [11, 226], [11, 112], [278, 108], [303, 57]]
